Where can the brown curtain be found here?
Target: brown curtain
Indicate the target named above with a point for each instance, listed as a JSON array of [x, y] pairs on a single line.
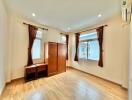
[[100, 40], [77, 37], [67, 39], [32, 35]]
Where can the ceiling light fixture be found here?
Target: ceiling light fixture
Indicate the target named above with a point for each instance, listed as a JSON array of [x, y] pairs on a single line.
[[99, 15], [33, 14]]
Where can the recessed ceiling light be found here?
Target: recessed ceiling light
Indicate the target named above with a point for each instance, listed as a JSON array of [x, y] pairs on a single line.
[[33, 14], [99, 15]]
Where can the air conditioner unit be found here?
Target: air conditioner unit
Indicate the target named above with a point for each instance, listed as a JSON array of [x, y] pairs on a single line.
[[126, 8]]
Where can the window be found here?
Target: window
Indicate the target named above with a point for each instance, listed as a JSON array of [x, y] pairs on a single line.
[[89, 47], [63, 39], [36, 50]]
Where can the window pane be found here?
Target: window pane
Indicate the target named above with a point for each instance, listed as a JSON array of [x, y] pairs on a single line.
[[36, 50], [39, 34], [90, 51], [88, 36], [83, 50], [93, 51], [63, 38]]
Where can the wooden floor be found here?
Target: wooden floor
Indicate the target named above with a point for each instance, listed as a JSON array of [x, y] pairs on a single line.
[[71, 85]]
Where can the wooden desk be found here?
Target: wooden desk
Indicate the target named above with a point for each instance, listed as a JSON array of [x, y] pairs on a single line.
[[35, 71], [41, 70]]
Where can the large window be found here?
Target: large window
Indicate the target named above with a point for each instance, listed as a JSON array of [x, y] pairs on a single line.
[[89, 46], [36, 50]]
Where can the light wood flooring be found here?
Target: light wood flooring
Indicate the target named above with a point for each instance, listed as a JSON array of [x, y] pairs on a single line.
[[71, 85]]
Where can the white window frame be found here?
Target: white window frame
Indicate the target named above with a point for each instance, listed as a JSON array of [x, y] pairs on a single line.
[[87, 40], [62, 35]]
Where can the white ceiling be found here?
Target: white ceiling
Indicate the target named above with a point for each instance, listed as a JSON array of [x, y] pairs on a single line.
[[62, 14]]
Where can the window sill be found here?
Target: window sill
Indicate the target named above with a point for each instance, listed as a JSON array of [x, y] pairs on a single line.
[[88, 60], [86, 63], [40, 60], [37, 59]]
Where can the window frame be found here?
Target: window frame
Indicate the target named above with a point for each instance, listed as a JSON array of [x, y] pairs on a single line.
[[63, 35], [41, 44], [87, 40]]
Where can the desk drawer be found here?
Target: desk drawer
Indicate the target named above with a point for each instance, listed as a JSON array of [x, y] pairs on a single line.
[[31, 70], [41, 68]]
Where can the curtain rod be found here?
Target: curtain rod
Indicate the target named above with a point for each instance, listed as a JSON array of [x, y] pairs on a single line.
[[91, 29], [63, 34], [36, 26]]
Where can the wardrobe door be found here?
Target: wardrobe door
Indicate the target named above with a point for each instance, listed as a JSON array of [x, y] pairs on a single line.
[[61, 58], [52, 59]]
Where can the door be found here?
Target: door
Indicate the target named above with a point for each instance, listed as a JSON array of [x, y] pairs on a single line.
[[52, 59], [61, 57]]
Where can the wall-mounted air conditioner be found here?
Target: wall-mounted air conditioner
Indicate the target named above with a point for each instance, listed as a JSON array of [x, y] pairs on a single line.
[[126, 8]]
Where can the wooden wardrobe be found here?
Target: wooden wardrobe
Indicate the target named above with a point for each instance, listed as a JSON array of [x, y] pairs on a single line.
[[55, 57]]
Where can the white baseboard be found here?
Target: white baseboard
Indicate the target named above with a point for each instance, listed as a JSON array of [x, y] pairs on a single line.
[[104, 78]]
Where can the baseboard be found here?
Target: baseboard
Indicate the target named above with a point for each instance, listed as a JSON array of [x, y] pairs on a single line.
[[14, 80], [69, 67], [98, 77], [125, 87]]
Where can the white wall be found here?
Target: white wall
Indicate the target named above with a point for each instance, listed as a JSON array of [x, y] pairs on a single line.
[[19, 45], [116, 40], [3, 44], [130, 65], [116, 46]]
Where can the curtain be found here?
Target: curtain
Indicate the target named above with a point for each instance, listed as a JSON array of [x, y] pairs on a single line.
[[100, 40], [77, 37], [32, 35], [67, 39]]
